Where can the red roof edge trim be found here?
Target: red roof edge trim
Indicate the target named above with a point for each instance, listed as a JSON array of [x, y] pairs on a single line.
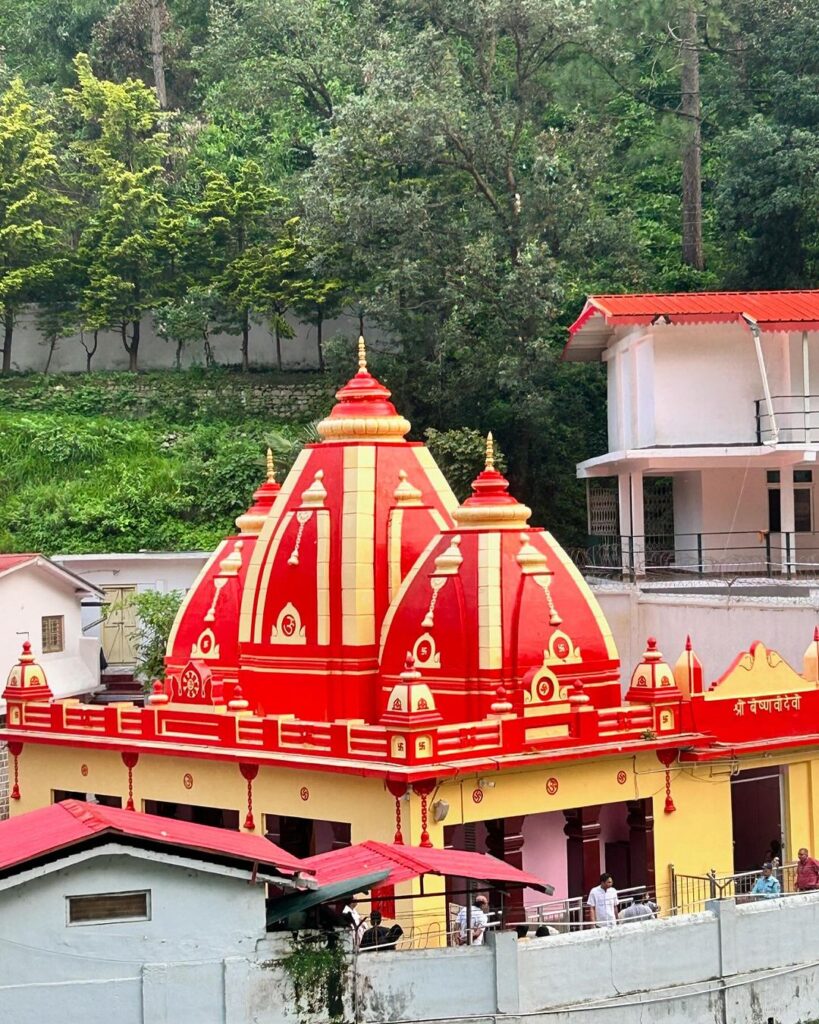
[[589, 311]]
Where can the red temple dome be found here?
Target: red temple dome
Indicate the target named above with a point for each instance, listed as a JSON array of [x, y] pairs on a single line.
[[495, 614], [298, 622]]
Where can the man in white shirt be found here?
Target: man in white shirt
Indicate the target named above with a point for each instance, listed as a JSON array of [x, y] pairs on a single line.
[[478, 923], [357, 923], [602, 903]]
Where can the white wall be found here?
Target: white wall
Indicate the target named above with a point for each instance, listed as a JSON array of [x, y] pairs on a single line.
[[28, 594], [169, 968], [29, 352], [706, 381], [721, 626], [151, 570], [160, 571], [204, 959]]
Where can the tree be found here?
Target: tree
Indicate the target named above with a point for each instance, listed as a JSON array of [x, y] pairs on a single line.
[[189, 320], [766, 195], [39, 38], [472, 203], [326, 296], [32, 243], [236, 208], [130, 42], [270, 278], [155, 614], [131, 237]]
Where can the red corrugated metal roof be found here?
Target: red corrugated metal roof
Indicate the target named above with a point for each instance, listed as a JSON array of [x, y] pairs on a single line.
[[70, 822], [406, 862], [773, 311]]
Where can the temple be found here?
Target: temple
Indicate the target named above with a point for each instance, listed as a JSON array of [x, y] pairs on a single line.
[[368, 659]]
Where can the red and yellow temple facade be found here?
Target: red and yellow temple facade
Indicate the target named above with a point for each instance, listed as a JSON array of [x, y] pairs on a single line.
[[367, 653]]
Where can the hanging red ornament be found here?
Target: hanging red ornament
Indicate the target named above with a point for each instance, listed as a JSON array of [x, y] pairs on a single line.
[[15, 749], [398, 789], [130, 759], [249, 772], [423, 789], [667, 758]]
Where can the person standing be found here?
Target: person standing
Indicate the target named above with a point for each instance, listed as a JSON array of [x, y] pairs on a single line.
[[767, 885], [602, 903], [807, 872], [479, 921], [354, 920]]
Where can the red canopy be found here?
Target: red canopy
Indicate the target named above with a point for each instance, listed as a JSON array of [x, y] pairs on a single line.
[[406, 862]]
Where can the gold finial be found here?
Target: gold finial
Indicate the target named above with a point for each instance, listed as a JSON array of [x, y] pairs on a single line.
[[490, 452], [271, 467], [362, 354]]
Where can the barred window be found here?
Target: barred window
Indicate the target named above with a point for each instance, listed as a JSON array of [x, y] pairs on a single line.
[[53, 634], [107, 907]]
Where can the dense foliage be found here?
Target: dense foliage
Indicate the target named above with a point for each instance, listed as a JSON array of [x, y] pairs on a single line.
[[462, 172], [73, 483]]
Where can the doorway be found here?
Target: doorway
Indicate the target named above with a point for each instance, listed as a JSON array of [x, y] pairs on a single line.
[[757, 819], [119, 626]]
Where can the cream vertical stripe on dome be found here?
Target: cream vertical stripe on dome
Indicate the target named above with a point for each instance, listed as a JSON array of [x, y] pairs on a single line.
[[490, 632], [358, 547], [258, 573], [323, 577]]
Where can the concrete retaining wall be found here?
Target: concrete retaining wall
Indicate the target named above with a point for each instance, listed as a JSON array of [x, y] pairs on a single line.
[[720, 626], [753, 964], [30, 352]]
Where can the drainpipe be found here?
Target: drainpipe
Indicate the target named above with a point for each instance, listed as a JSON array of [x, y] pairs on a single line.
[[753, 326]]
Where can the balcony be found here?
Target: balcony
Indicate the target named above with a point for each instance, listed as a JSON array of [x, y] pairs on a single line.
[[796, 418]]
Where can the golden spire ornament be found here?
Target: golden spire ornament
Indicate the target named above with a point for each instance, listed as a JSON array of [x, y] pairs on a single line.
[[490, 452], [362, 354], [271, 467]]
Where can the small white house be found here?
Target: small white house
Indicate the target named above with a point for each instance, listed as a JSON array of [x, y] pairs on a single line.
[[120, 577], [114, 915], [713, 430], [41, 602]]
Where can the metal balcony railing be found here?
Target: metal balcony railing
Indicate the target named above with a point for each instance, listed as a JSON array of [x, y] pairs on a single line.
[[735, 553], [796, 418]]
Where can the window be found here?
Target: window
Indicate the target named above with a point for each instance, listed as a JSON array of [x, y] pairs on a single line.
[[53, 638], [108, 907], [93, 798], [802, 501]]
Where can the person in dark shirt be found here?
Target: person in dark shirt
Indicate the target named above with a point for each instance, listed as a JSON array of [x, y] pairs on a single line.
[[378, 937]]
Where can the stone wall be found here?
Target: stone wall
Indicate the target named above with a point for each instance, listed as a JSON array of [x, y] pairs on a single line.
[[218, 394]]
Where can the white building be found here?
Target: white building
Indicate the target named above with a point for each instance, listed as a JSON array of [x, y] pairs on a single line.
[[713, 430], [42, 602], [109, 914], [119, 577]]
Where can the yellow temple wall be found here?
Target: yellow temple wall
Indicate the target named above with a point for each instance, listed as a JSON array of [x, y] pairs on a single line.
[[695, 838]]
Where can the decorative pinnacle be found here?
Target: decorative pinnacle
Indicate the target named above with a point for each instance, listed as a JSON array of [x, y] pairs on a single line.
[[362, 354], [688, 644], [271, 467], [490, 452]]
